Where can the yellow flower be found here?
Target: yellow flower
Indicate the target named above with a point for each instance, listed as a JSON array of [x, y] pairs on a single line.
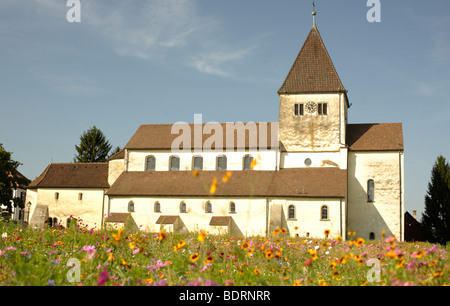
[[162, 235], [296, 283], [268, 254], [209, 259], [213, 188], [332, 265], [118, 236], [326, 233], [244, 245], [226, 177], [110, 256], [359, 242], [382, 234], [194, 257], [148, 281], [351, 233], [195, 173], [201, 237], [132, 244], [276, 231], [313, 254], [256, 271], [283, 230], [250, 252], [391, 254]]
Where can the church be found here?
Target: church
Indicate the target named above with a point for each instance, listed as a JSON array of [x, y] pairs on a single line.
[[309, 172]]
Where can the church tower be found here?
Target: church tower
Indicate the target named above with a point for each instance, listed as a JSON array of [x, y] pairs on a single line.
[[313, 109]]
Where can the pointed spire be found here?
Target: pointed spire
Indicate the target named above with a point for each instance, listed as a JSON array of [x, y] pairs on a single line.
[[312, 71]]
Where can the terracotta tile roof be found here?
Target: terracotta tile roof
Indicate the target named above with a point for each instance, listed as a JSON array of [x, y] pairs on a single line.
[[159, 136], [375, 137], [220, 220], [312, 71], [118, 155], [167, 219], [117, 217], [301, 182], [73, 175]]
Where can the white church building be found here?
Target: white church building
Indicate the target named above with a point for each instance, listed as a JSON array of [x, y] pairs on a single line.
[[309, 172]]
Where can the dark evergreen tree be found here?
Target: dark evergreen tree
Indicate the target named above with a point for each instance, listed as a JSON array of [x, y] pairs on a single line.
[[93, 148], [10, 179], [436, 217]]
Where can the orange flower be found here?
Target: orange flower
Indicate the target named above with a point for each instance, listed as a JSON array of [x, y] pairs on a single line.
[[209, 259], [194, 257], [162, 235], [195, 173], [244, 245], [326, 233], [268, 254], [359, 242], [226, 177], [213, 188], [201, 237], [118, 236]]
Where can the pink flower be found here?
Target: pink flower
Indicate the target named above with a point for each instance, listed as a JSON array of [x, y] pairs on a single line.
[[90, 249], [102, 278]]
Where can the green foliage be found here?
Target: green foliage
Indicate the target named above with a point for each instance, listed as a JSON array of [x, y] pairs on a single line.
[[93, 148], [119, 257], [9, 179], [436, 217]]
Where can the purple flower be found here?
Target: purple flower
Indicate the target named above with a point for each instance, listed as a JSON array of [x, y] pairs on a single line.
[[103, 278]]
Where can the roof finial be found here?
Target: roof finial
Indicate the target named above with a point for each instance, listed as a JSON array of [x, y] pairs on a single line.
[[314, 14]]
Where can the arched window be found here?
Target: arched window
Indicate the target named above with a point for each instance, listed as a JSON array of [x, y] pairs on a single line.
[[324, 212], [232, 207], [208, 207], [222, 162], [174, 163], [56, 195], [291, 212], [150, 163], [130, 206], [197, 163], [370, 191], [248, 162], [372, 236], [182, 207], [157, 207], [80, 196]]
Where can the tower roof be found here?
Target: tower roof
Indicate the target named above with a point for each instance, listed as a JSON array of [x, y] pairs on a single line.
[[313, 71]]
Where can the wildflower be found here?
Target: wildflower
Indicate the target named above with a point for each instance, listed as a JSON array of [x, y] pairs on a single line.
[[209, 259], [351, 233], [228, 283], [326, 233], [296, 283], [276, 231], [382, 234], [162, 235], [213, 188], [195, 173], [244, 245], [179, 245], [390, 240], [51, 282], [359, 242], [419, 254], [118, 236], [110, 256], [400, 263], [308, 262], [201, 237], [332, 265], [391, 254], [132, 244], [250, 252], [103, 277], [148, 281], [313, 254], [278, 253], [339, 239], [90, 249], [194, 257], [268, 254], [226, 177], [257, 271]]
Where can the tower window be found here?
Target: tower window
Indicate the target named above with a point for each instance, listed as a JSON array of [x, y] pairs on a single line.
[[183, 207], [131, 206], [298, 109], [157, 207], [208, 208], [248, 162], [232, 207], [322, 109]]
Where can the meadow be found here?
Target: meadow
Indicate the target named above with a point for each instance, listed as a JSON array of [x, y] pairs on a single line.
[[79, 256]]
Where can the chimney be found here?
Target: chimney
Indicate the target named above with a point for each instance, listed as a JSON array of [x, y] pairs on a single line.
[[415, 214]]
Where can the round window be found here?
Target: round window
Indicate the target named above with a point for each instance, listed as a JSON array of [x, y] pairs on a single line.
[[308, 162]]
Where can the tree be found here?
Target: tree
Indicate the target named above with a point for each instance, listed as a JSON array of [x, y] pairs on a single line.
[[436, 217], [93, 148], [9, 179]]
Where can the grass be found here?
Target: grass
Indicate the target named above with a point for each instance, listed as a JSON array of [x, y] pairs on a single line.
[[78, 256]]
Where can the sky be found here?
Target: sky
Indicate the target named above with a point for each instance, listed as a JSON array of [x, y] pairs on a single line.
[[128, 63]]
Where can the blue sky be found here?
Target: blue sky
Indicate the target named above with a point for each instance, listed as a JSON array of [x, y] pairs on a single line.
[[162, 61]]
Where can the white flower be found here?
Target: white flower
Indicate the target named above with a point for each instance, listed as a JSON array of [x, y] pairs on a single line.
[[4, 235]]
